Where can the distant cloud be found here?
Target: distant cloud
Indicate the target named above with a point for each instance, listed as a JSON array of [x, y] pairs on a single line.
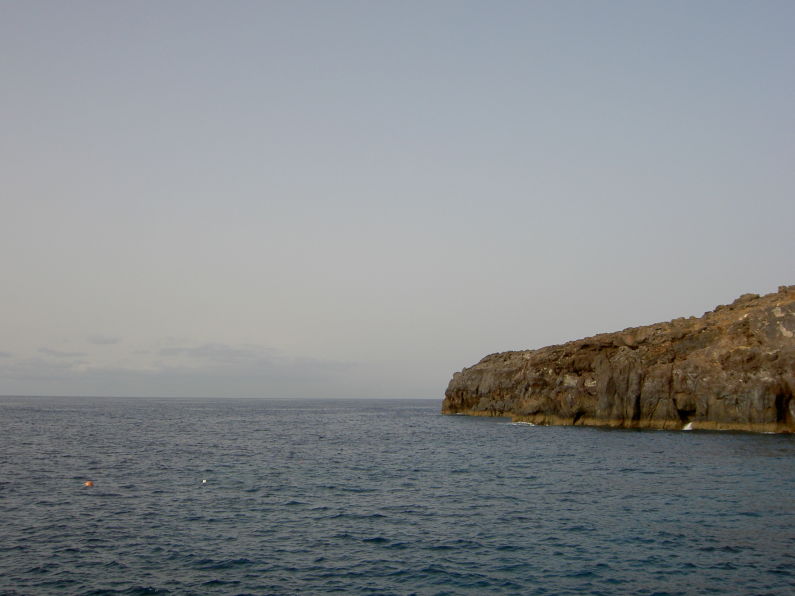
[[210, 369], [5, 354], [103, 340], [33, 369], [61, 353], [249, 361], [220, 353]]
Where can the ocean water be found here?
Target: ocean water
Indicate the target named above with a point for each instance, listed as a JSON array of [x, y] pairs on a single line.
[[380, 497]]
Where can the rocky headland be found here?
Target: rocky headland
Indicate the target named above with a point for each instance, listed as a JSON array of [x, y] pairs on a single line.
[[731, 369]]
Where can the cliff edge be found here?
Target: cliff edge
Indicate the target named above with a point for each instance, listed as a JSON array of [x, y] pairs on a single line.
[[731, 369]]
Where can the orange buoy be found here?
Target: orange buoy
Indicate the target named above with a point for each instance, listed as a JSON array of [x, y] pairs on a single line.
[[88, 483]]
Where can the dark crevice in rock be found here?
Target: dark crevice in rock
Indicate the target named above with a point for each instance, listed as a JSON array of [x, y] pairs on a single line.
[[636, 408], [685, 416], [784, 409]]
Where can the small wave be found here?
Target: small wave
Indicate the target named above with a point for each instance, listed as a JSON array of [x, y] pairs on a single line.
[[582, 573], [780, 570], [361, 516], [343, 536], [227, 564], [42, 569], [134, 591], [114, 565], [508, 547], [221, 582]]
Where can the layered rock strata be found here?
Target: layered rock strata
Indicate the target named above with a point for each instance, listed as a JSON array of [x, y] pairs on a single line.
[[731, 369]]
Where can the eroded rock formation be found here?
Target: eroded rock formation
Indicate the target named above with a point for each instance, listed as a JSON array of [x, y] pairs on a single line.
[[731, 369]]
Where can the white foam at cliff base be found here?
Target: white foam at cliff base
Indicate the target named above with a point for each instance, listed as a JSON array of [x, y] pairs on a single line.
[[688, 426]]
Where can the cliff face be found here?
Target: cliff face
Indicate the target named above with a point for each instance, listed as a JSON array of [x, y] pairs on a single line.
[[731, 369]]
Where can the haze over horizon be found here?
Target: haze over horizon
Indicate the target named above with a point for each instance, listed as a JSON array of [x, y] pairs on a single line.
[[353, 199]]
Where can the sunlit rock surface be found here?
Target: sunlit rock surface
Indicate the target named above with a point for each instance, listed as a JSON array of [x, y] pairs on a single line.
[[731, 369]]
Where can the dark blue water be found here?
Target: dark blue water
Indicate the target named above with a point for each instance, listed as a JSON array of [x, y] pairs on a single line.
[[381, 497]]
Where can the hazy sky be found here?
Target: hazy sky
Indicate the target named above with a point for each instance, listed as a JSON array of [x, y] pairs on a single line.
[[339, 198]]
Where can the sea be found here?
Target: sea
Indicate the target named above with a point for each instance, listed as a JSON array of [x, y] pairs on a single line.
[[288, 496]]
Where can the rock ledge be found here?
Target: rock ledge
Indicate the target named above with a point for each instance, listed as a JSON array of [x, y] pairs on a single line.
[[731, 369]]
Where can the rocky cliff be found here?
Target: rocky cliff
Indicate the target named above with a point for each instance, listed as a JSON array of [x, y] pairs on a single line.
[[731, 369]]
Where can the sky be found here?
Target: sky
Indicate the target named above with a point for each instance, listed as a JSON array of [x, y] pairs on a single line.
[[357, 199]]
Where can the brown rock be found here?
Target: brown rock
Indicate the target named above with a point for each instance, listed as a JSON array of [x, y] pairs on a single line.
[[731, 369]]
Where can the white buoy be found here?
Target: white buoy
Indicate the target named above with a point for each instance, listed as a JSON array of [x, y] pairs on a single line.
[[204, 481]]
